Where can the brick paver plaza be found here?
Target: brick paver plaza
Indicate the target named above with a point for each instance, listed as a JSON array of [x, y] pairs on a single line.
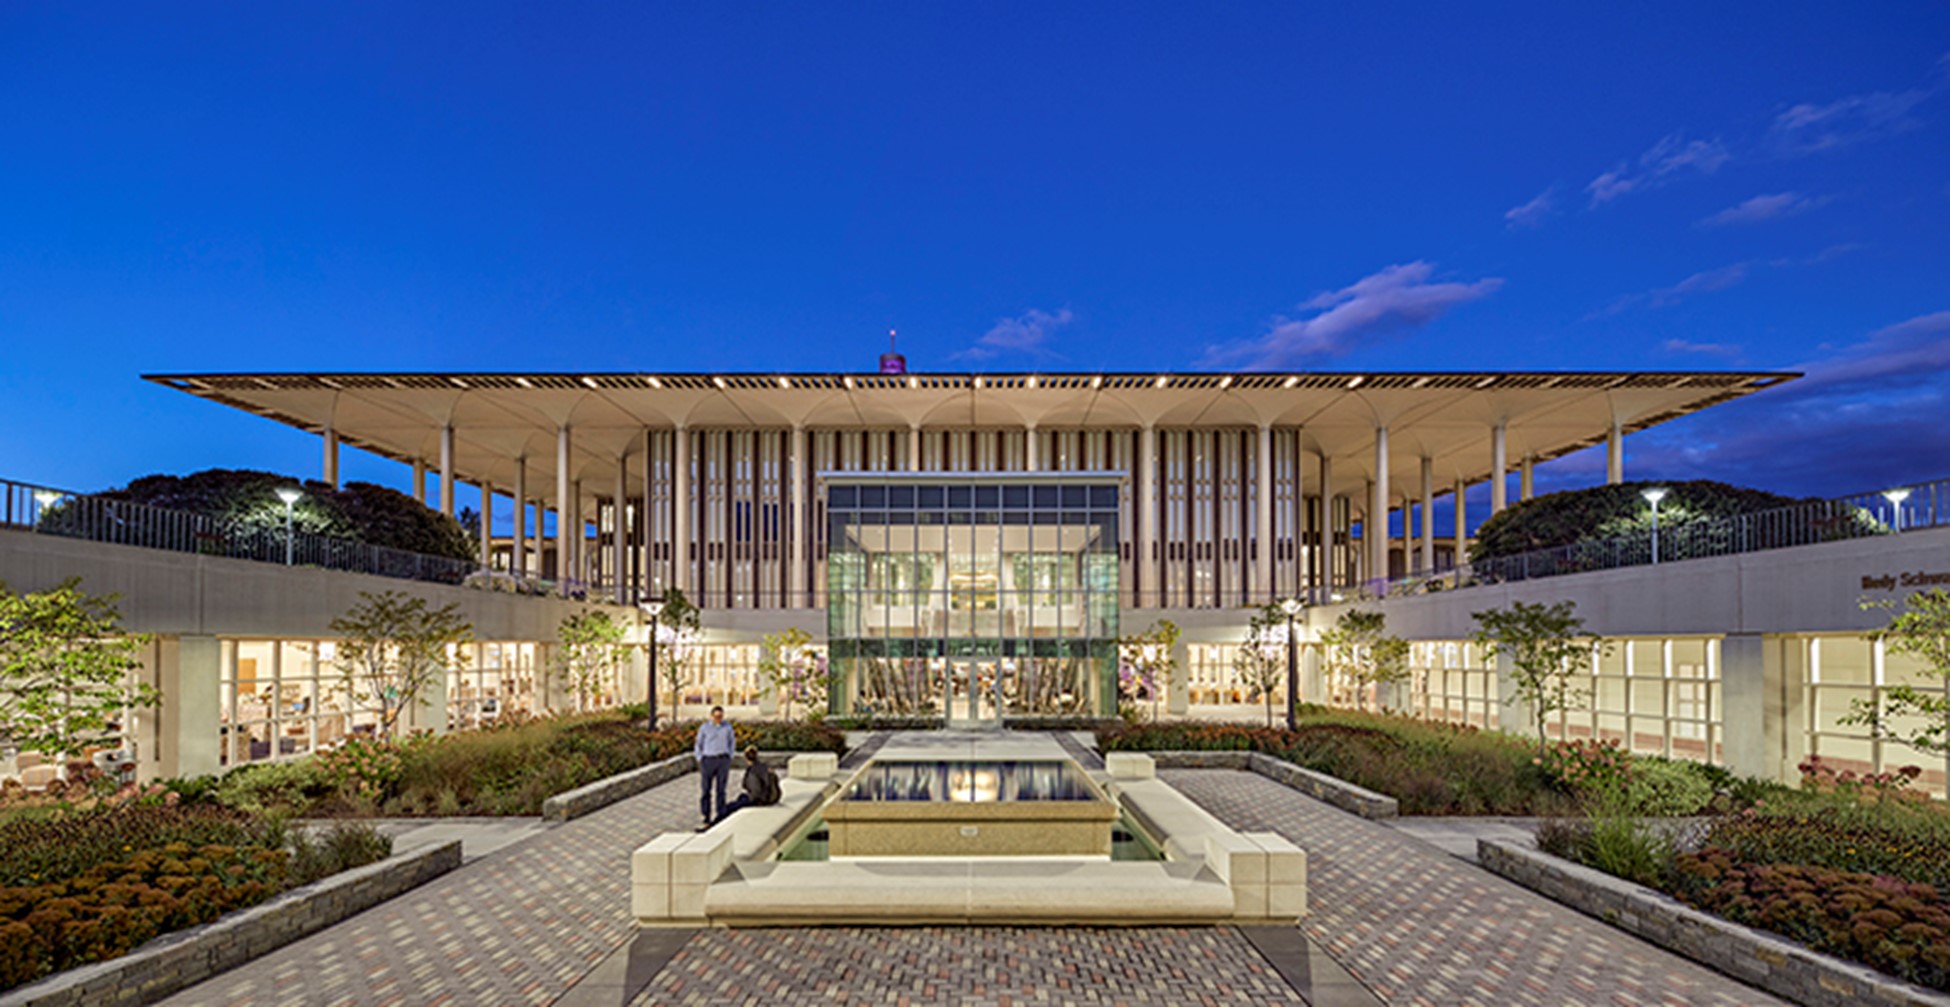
[[525, 924]]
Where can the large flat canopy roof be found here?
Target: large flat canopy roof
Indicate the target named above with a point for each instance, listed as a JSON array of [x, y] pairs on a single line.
[[500, 417]]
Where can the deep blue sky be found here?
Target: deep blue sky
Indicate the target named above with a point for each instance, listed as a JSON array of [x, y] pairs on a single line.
[[188, 187]]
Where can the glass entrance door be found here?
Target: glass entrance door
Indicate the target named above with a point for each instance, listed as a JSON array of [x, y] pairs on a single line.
[[971, 692]]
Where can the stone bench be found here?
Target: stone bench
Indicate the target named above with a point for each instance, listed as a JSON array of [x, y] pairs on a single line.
[[669, 874]]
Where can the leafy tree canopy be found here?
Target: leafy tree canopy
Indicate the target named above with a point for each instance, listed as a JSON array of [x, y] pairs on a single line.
[[1598, 512], [365, 512]]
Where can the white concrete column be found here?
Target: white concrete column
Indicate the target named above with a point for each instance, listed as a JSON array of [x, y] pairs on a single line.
[[619, 552], [1030, 462], [1263, 512], [420, 480], [1527, 478], [1428, 516], [540, 544], [801, 540], [1375, 524], [1148, 517], [1462, 523], [1744, 704], [1615, 454], [330, 471], [1326, 526], [1499, 469], [579, 533], [189, 720], [518, 559], [565, 567], [447, 470], [487, 526], [680, 524], [645, 525], [914, 448]]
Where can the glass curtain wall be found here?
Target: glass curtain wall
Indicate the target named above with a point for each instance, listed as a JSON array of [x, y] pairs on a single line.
[[973, 598]]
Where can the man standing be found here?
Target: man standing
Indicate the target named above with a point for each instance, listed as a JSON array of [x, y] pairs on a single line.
[[715, 743]]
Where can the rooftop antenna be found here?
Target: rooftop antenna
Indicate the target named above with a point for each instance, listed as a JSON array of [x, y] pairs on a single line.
[[890, 361]]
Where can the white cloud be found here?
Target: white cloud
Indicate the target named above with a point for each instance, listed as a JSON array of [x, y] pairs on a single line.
[[1028, 332], [1714, 280], [1394, 298], [1703, 349], [1656, 166], [1808, 128], [1772, 206], [1532, 214]]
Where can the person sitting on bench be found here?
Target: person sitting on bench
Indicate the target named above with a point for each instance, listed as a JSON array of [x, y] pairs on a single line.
[[761, 784]]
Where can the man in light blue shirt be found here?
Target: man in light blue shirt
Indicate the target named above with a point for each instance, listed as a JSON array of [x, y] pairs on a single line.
[[715, 743]]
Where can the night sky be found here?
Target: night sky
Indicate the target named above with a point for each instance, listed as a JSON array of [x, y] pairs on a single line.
[[192, 187]]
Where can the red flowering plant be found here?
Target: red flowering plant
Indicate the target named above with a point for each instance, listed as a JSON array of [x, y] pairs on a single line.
[[1588, 767], [1885, 788]]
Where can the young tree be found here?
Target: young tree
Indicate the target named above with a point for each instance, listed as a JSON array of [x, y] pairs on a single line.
[[1544, 644], [592, 651], [793, 668], [392, 647], [1359, 648], [1922, 632], [677, 627], [1261, 659], [65, 666], [1148, 659]]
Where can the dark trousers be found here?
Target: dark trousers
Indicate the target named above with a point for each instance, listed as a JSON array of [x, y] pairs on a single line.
[[714, 772]]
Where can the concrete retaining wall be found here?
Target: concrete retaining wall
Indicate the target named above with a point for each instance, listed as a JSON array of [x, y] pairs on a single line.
[[1772, 963], [186, 957], [1319, 786]]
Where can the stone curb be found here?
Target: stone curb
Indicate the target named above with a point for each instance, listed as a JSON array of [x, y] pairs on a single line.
[[629, 783], [1319, 786], [178, 960], [1333, 790], [1770, 962], [607, 791]]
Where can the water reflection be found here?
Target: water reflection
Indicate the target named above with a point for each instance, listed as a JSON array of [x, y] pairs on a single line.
[[970, 781]]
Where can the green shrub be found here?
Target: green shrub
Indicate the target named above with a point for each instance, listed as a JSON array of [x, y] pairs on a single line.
[[264, 786], [1429, 767], [1665, 788], [338, 847], [1560, 519]]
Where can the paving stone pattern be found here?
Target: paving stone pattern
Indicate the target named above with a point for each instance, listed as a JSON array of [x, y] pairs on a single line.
[[523, 924], [967, 966], [516, 927], [1419, 927]]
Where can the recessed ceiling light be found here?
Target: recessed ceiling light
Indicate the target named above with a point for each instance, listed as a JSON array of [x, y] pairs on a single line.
[[1293, 381], [783, 382], [1162, 381], [524, 382], [1097, 382], [1225, 382], [1355, 382], [847, 380], [717, 381], [587, 380], [654, 383]]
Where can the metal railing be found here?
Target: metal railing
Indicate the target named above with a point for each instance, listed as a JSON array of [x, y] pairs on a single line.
[[1861, 515], [48, 511]]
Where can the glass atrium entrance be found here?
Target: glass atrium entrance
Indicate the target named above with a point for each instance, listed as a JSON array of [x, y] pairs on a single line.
[[971, 598]]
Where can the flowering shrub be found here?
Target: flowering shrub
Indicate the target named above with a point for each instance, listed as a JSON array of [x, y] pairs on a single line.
[[87, 885], [1899, 927], [1817, 777], [362, 767], [1587, 766]]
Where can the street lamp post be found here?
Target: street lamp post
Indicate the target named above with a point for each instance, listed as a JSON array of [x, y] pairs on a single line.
[[653, 608], [290, 495], [1653, 496], [1292, 608], [1896, 498]]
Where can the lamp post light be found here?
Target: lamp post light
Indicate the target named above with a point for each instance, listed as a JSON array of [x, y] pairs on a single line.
[[1896, 498], [1292, 607], [653, 608], [1653, 496], [290, 495]]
